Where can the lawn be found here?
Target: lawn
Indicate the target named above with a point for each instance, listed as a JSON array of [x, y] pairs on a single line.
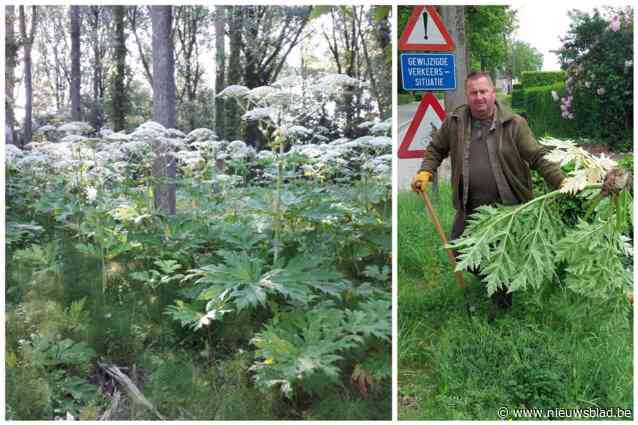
[[460, 359]]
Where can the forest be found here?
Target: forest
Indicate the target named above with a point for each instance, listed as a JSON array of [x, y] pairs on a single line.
[[198, 212]]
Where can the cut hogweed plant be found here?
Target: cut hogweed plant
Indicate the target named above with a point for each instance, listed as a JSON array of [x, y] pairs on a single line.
[[523, 247]]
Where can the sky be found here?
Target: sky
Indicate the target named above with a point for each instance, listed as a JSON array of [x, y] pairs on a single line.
[[543, 26]]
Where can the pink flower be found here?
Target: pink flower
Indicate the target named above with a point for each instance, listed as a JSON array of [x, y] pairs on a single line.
[[600, 91], [614, 24], [563, 108]]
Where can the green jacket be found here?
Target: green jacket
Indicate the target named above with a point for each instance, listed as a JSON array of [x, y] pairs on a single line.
[[515, 153]]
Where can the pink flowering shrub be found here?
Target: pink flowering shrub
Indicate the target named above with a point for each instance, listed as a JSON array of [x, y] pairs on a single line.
[[597, 54]]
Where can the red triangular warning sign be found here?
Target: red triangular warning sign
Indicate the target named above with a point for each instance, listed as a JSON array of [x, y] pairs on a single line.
[[419, 133], [425, 31]]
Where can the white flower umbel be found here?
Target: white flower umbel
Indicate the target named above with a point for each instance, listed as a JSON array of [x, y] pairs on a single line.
[[588, 169], [12, 153], [234, 91], [259, 114], [76, 128], [91, 193], [258, 93]]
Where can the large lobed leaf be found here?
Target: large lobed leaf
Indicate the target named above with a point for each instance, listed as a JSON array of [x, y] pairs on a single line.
[[513, 246]]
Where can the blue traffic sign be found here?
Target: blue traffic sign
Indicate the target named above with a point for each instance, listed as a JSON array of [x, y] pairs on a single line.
[[428, 71]]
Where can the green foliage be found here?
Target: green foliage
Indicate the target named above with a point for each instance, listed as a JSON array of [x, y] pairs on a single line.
[[595, 254], [553, 348], [518, 96], [110, 279], [66, 352], [301, 349], [524, 58], [487, 29], [521, 247], [599, 65], [28, 394], [541, 78], [512, 246], [543, 112], [56, 383]]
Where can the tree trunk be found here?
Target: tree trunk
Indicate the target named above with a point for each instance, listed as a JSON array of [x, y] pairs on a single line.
[[76, 111], [454, 20], [119, 98], [164, 165], [27, 39], [219, 70], [96, 115], [233, 120], [252, 133], [11, 51], [369, 67]]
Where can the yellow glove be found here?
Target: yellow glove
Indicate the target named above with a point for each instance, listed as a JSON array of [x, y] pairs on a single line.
[[420, 181]]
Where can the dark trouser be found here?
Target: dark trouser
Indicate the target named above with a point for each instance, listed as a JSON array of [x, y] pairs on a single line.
[[501, 297]]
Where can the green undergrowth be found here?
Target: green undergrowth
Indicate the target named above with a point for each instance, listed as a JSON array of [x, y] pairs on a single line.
[[462, 359], [207, 315]]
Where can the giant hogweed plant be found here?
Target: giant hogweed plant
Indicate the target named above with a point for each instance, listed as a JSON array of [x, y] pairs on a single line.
[[525, 246], [298, 291], [277, 109]]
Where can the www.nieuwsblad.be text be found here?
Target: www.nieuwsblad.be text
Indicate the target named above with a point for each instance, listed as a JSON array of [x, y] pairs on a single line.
[[563, 413]]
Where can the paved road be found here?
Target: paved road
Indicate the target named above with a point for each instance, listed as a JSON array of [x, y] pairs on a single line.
[[409, 166]]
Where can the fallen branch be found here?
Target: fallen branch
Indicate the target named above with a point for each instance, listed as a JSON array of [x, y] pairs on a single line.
[[131, 388]]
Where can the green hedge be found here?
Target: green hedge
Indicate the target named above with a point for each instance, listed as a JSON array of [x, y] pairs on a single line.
[[544, 114], [518, 97], [541, 78]]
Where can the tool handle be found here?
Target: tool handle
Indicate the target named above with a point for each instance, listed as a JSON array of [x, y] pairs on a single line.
[[450, 254]]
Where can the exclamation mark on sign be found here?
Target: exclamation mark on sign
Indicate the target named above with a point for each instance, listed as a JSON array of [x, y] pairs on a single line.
[[425, 24]]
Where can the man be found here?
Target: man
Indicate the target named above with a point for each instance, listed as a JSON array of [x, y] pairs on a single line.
[[491, 151]]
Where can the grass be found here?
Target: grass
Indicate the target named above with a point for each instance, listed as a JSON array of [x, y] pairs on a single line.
[[552, 349], [406, 98]]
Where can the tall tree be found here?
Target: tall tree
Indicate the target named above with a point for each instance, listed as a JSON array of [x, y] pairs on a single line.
[[76, 76], [27, 42], [524, 57], [220, 38], [381, 63], [190, 27], [99, 19], [164, 165], [343, 43], [119, 98], [190, 23], [269, 34], [357, 13], [11, 51], [53, 66], [233, 117], [488, 28]]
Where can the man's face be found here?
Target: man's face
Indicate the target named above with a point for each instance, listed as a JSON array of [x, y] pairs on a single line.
[[481, 97]]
